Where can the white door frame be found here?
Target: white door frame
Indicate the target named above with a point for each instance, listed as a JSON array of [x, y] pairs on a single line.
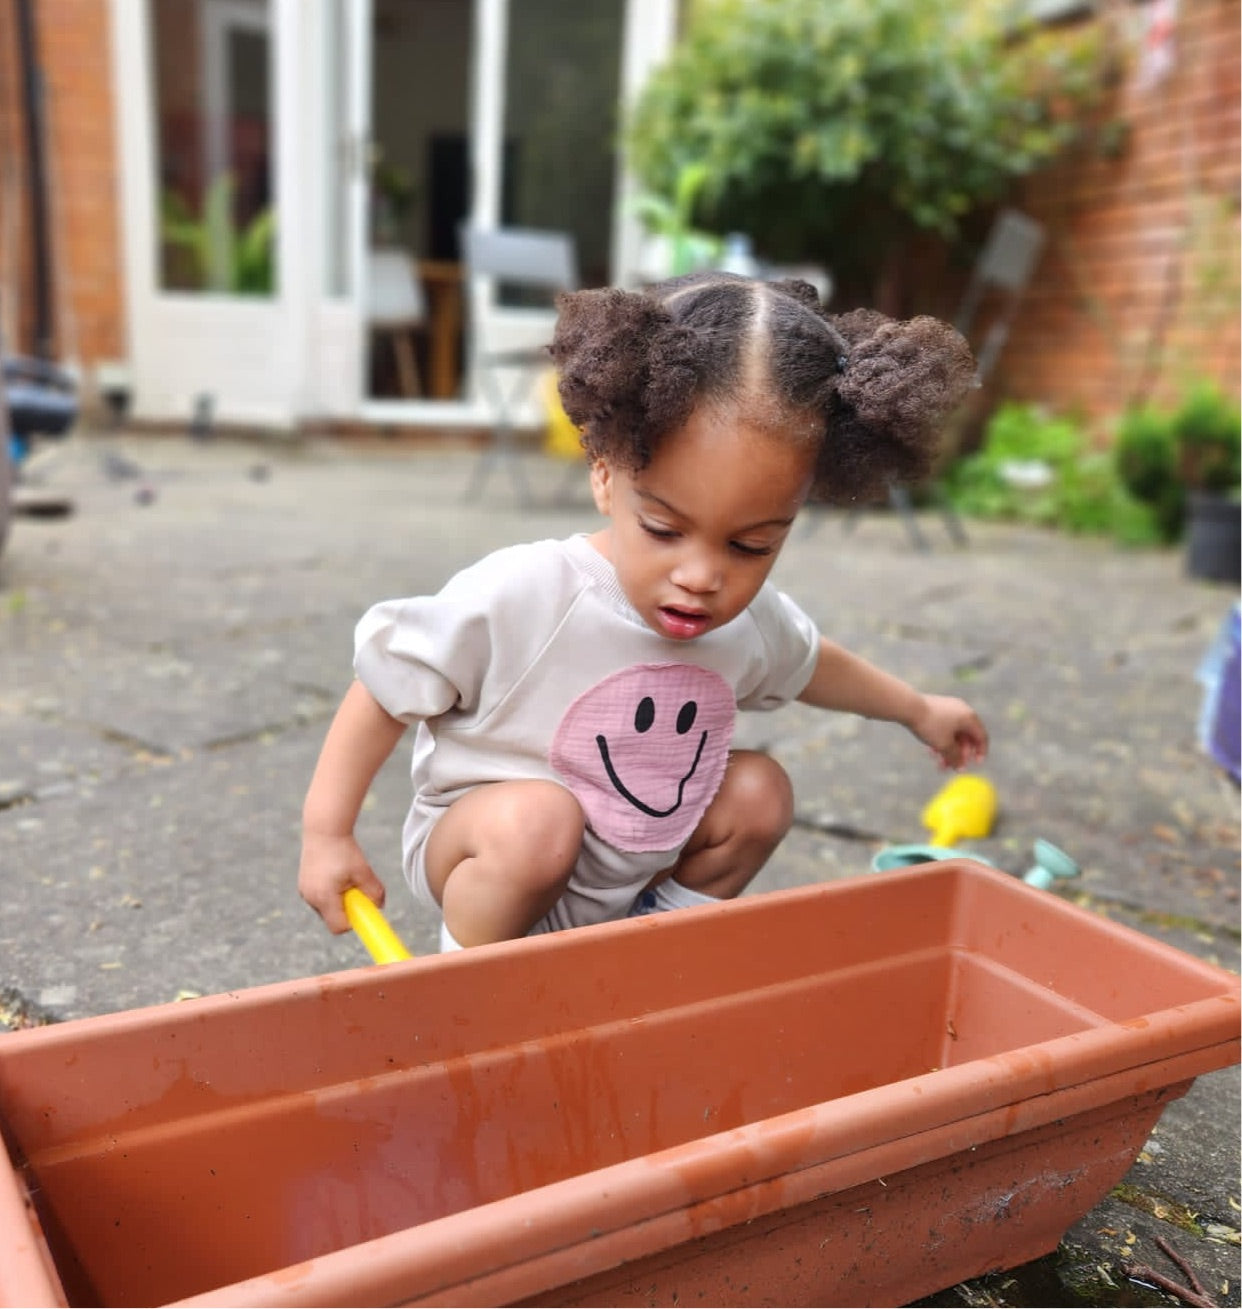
[[337, 103]]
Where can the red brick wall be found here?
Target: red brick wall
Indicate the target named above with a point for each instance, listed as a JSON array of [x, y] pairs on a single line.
[[1138, 289], [88, 304]]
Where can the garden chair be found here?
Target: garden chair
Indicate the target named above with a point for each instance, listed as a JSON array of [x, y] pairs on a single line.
[[509, 342], [989, 305]]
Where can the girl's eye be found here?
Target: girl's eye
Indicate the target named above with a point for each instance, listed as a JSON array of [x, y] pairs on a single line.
[[755, 551], [660, 533]]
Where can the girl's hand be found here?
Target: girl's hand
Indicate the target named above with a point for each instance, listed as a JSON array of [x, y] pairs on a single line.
[[330, 865], [952, 730]]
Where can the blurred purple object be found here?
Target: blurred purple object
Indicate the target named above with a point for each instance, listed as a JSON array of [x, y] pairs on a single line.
[[1220, 722]]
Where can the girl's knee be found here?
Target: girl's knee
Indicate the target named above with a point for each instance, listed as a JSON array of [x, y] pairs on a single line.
[[759, 796], [523, 835], [536, 828]]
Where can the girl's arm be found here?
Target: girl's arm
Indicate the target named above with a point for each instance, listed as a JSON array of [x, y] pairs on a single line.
[[361, 738], [846, 682]]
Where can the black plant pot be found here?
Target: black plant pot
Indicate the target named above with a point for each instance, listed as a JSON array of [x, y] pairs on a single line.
[[1214, 537]]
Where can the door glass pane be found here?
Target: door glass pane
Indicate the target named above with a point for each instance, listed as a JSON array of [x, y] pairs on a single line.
[[562, 91], [212, 63], [419, 195]]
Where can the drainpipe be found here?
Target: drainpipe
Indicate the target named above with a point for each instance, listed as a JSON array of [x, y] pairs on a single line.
[[33, 105]]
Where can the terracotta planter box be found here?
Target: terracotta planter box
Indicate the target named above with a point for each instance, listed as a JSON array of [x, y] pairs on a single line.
[[853, 1093]]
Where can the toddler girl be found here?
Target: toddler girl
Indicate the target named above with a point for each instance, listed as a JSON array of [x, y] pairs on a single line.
[[574, 699]]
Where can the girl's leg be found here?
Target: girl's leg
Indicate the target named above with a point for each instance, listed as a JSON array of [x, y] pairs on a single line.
[[501, 856], [746, 821]]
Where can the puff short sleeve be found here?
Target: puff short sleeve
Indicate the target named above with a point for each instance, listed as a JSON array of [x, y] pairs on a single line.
[[424, 656], [791, 647]]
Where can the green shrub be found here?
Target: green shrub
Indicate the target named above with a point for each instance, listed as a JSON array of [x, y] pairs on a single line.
[[1038, 468], [1145, 455], [1207, 430], [1016, 472], [838, 130], [1161, 454]]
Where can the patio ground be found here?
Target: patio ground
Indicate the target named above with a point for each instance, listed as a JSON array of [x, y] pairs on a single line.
[[173, 649]]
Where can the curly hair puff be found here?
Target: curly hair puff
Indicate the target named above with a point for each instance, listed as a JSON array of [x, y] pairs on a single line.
[[871, 393]]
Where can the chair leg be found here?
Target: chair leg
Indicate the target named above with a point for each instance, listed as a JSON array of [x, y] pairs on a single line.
[[407, 365], [899, 498], [953, 524], [502, 443]]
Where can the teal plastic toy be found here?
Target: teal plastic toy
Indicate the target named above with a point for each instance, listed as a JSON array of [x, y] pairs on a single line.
[[1051, 865]]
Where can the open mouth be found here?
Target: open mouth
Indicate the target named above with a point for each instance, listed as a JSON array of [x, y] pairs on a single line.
[[683, 623]]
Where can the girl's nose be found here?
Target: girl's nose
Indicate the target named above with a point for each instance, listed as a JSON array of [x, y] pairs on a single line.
[[699, 572]]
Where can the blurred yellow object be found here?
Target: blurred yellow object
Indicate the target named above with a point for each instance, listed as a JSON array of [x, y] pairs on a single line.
[[372, 927], [962, 808], [561, 439]]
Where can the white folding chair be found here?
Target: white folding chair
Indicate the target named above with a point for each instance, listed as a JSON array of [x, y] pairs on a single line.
[[998, 281], [397, 307], [1004, 267], [509, 342]]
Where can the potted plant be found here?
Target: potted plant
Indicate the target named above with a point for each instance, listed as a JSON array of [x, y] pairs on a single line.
[[393, 194], [1207, 432], [208, 252], [1145, 453], [674, 244]]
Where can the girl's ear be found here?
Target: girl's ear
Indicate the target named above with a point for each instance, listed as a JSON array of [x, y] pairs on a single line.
[[601, 487]]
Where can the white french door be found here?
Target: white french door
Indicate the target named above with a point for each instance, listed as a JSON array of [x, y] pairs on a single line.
[[215, 248], [250, 132]]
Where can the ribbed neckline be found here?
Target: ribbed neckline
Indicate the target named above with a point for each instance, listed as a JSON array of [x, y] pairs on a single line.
[[603, 575]]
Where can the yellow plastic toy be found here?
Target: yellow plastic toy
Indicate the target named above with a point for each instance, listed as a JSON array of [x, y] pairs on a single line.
[[961, 809], [373, 930]]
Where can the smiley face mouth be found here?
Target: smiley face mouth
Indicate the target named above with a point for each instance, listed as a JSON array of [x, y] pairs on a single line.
[[628, 795]]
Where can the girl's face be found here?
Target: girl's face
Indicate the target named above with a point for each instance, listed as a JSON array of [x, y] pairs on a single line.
[[694, 535]]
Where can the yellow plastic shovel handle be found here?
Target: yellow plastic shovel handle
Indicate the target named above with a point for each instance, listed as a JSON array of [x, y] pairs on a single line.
[[373, 930]]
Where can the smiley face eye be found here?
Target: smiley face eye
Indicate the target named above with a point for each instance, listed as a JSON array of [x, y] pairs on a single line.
[[644, 715], [686, 716]]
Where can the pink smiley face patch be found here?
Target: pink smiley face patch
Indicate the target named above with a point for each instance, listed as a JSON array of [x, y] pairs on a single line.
[[644, 752]]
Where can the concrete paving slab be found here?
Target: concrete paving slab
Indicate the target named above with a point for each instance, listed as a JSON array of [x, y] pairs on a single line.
[[171, 653], [42, 759], [170, 698]]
